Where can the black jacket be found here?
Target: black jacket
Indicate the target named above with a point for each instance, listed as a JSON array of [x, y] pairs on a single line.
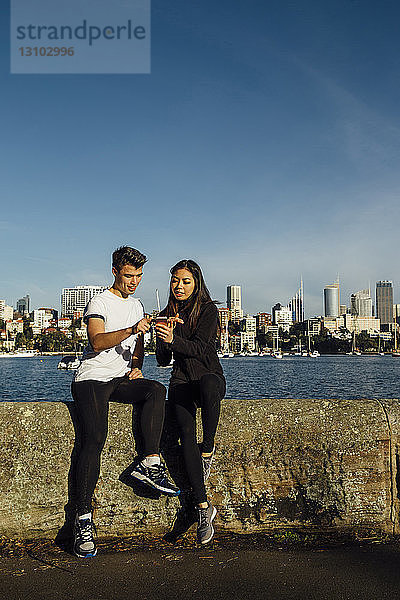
[[194, 351]]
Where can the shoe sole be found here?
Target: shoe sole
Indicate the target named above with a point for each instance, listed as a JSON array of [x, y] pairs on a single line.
[[151, 483], [89, 555], [212, 528]]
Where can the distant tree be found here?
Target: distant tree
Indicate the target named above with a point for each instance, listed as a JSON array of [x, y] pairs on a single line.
[[20, 340], [55, 341], [151, 346]]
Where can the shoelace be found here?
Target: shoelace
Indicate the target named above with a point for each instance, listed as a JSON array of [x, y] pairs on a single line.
[[157, 471], [85, 529], [203, 517]]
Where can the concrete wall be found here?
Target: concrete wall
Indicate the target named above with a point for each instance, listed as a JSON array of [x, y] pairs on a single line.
[[315, 464]]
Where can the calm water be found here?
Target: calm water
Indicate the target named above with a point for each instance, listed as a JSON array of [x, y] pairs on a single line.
[[31, 379]]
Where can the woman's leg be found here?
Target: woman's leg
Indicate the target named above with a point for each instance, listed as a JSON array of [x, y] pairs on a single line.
[[212, 389], [183, 399]]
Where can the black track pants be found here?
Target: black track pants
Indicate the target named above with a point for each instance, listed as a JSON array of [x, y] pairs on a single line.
[[185, 398], [91, 403]]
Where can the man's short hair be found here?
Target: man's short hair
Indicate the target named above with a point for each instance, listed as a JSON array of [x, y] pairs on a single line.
[[127, 256]]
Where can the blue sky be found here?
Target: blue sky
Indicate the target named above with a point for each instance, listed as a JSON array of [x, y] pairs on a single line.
[[264, 144]]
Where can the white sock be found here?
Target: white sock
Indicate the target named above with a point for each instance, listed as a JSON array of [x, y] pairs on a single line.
[[150, 461], [86, 516]]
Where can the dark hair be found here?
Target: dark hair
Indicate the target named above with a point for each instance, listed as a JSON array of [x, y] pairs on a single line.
[[200, 294], [127, 256]]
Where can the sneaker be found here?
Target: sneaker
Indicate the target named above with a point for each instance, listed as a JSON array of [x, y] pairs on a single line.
[[84, 544], [207, 462], [184, 519], [156, 477], [205, 529]]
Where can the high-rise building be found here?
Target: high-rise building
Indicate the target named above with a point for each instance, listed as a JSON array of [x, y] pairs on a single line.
[[396, 313], [282, 316], [263, 319], [76, 298], [6, 312], [361, 303], [234, 302], [296, 304], [45, 317], [332, 300], [384, 302], [23, 305], [234, 297]]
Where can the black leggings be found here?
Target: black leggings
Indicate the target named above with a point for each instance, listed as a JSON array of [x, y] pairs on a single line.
[[185, 398], [91, 405]]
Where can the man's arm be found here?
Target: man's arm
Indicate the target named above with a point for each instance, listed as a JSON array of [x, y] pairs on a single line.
[[99, 340], [138, 354]]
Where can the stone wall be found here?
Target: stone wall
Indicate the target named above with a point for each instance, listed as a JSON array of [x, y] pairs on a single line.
[[317, 464]]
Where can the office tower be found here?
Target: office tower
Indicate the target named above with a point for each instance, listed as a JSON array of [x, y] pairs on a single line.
[[263, 319], [76, 298], [282, 316], [23, 305], [384, 301], [332, 300], [6, 312], [45, 317], [234, 302], [361, 303], [234, 297], [296, 305], [396, 313]]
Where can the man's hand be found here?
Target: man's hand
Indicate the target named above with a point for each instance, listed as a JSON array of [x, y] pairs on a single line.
[[143, 325], [134, 374]]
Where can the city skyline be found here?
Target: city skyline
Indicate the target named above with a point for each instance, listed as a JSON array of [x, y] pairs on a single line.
[[264, 144], [237, 289]]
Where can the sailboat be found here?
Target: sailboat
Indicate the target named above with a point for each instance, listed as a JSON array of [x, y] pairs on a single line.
[[276, 353]]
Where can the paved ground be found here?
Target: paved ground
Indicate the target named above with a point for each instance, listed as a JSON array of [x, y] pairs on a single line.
[[226, 571]]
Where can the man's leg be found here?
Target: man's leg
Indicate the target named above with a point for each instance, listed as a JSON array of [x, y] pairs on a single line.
[[91, 405], [150, 395], [91, 409]]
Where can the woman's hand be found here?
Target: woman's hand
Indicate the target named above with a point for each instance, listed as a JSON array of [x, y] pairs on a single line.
[[134, 374], [166, 332]]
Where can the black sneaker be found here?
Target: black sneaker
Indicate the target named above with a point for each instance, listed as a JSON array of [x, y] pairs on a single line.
[[205, 529], [156, 477], [84, 544], [184, 519], [207, 462]]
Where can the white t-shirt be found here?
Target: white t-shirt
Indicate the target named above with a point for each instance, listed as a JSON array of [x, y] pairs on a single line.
[[117, 313]]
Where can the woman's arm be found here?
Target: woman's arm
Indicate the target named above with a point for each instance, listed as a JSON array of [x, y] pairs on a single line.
[[163, 353], [205, 332]]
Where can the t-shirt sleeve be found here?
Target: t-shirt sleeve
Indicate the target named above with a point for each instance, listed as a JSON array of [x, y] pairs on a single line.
[[94, 308]]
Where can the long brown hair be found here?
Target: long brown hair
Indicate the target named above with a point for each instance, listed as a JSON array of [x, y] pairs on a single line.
[[200, 294]]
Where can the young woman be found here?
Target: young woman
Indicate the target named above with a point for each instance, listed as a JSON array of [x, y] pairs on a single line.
[[197, 378]]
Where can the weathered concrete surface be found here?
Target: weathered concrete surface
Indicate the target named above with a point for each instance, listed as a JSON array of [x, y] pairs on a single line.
[[314, 464]]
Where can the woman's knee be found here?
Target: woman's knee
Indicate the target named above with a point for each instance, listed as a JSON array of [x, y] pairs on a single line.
[[209, 385]]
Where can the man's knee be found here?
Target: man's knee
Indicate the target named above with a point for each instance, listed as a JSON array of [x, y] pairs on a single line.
[[157, 390]]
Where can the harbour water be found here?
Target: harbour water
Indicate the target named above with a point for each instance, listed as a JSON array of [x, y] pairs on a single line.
[[339, 376]]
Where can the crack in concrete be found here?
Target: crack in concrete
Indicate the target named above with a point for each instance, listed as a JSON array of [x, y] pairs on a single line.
[[391, 467]]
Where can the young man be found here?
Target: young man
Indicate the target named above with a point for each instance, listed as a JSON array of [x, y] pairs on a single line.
[[111, 370]]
